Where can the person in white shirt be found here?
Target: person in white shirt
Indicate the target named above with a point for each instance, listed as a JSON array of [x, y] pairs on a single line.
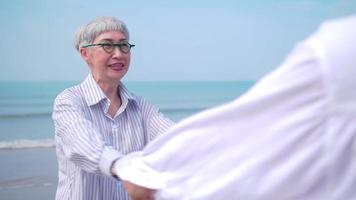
[[99, 121], [292, 136]]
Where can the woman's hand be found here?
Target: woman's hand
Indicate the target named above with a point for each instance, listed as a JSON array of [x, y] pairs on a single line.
[[137, 192]]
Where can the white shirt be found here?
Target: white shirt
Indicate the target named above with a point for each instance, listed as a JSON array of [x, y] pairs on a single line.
[[88, 139], [292, 136]]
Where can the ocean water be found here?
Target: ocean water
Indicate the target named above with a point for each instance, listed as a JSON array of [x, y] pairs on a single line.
[[26, 107]]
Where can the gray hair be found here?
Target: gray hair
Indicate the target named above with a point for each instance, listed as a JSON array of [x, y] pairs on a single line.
[[86, 34]]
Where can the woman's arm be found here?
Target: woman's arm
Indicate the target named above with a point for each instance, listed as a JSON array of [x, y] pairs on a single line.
[[79, 140]]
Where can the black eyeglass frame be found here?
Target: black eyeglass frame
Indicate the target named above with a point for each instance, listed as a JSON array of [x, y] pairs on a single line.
[[112, 46]]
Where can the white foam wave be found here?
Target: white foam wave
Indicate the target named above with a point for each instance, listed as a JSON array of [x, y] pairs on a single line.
[[26, 144]]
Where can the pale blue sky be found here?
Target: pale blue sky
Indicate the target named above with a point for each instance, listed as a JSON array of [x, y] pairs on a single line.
[[176, 39]]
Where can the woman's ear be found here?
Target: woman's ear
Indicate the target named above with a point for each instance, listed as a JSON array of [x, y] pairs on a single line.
[[84, 53]]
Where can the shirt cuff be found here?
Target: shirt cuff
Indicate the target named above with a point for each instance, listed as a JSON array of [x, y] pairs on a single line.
[[108, 157], [132, 168], [121, 165]]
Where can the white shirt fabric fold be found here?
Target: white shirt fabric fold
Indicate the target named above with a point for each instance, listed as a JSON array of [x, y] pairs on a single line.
[[292, 136]]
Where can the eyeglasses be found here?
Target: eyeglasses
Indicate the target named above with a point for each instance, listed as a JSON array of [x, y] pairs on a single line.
[[109, 47]]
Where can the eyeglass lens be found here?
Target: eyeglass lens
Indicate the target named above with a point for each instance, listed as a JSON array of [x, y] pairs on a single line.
[[123, 47]]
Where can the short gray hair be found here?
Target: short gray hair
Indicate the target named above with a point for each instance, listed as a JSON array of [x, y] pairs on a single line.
[[86, 34]]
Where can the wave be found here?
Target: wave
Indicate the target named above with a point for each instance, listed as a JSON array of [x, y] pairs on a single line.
[[27, 144], [42, 114], [193, 109], [23, 115]]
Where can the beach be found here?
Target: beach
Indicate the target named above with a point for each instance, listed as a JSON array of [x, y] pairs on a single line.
[[28, 174]]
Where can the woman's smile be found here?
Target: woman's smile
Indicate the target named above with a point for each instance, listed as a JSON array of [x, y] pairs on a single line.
[[117, 66]]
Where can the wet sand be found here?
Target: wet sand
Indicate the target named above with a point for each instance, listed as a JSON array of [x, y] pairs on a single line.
[[28, 174]]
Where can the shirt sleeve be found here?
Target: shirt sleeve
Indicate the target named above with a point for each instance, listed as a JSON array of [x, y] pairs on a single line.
[[157, 123], [79, 140], [267, 144]]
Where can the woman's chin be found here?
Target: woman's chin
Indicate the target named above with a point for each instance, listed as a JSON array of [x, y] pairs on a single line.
[[117, 75]]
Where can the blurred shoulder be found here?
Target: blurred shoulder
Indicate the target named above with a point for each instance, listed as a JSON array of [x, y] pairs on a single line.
[[144, 104], [70, 94], [334, 46]]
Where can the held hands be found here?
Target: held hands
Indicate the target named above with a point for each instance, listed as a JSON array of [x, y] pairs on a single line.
[[137, 192]]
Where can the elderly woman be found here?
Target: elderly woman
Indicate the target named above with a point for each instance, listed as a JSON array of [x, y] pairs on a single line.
[[99, 121]]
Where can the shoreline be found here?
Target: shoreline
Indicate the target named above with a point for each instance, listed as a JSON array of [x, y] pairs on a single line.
[[27, 144]]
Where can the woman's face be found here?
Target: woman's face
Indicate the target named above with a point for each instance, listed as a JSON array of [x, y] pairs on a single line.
[[107, 67]]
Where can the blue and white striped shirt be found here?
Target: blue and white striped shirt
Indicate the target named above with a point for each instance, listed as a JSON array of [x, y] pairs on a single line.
[[88, 139]]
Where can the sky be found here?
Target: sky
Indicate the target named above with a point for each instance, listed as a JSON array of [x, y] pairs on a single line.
[[176, 40]]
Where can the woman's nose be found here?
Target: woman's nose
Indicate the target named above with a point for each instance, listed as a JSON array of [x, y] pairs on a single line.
[[117, 52]]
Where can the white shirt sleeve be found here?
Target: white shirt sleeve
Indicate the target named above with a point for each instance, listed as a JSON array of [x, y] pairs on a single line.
[[290, 137], [250, 147]]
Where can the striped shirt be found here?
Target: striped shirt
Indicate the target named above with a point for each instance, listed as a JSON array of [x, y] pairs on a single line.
[[88, 140]]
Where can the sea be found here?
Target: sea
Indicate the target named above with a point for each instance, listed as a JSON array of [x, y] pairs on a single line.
[[26, 107], [27, 155]]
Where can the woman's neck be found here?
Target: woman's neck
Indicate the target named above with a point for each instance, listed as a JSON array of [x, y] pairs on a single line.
[[108, 87], [111, 91]]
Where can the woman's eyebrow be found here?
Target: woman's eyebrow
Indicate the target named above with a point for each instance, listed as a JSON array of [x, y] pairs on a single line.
[[106, 40], [111, 40]]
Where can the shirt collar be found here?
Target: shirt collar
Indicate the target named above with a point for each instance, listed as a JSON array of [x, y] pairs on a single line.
[[93, 93], [125, 93]]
